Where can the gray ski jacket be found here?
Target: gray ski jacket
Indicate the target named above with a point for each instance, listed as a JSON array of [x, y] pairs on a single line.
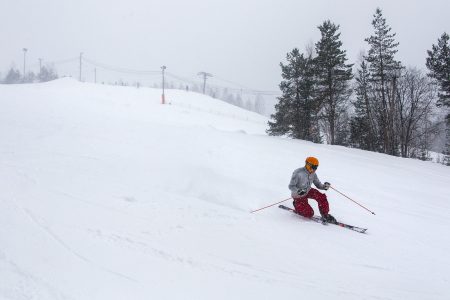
[[302, 179]]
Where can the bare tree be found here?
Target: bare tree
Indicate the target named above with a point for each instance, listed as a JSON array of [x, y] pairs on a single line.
[[414, 101]]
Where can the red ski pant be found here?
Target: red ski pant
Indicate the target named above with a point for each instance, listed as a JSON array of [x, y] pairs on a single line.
[[303, 208]]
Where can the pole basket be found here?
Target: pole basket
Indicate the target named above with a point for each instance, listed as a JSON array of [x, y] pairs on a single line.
[[163, 99]]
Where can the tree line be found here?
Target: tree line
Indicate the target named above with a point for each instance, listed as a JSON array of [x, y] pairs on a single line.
[[46, 73], [378, 105]]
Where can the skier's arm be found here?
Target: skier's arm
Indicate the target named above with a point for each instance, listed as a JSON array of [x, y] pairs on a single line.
[[317, 182]]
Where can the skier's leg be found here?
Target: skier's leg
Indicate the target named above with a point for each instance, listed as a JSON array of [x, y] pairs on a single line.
[[321, 200], [302, 207]]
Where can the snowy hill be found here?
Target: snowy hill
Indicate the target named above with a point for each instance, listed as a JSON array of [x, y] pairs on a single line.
[[107, 194]]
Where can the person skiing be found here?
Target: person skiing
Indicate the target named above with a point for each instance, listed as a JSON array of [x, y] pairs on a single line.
[[301, 191]]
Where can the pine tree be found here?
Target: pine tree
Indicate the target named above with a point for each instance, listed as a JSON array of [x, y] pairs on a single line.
[[384, 72], [333, 79], [13, 76], [362, 123], [29, 78], [296, 112], [343, 129], [438, 62]]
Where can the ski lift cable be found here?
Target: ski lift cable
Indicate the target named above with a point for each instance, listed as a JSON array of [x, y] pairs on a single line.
[[119, 69]]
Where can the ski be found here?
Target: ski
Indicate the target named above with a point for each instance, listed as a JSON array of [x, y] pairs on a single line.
[[319, 220]]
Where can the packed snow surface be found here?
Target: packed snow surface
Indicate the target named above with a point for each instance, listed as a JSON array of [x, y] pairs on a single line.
[[108, 194]]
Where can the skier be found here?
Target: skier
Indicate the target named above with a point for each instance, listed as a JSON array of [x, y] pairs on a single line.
[[301, 190]]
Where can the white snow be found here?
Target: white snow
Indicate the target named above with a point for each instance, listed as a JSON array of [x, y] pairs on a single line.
[[107, 194]]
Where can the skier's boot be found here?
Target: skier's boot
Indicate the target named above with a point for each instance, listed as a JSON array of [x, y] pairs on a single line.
[[329, 219]]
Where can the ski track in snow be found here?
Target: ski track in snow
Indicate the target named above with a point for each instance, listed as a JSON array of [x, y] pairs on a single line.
[[56, 238], [27, 286]]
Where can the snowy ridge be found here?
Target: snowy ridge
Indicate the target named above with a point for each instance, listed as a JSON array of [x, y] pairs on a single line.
[[107, 194]]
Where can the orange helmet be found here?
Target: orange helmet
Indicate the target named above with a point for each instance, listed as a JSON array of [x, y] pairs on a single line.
[[311, 164]]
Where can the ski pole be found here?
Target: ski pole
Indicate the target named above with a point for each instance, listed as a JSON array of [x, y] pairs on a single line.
[[352, 200], [270, 205]]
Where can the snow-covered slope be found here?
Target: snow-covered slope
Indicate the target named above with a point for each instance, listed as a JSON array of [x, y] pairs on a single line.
[[107, 194]]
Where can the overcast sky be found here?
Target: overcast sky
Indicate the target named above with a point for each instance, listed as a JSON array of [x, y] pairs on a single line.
[[238, 40]]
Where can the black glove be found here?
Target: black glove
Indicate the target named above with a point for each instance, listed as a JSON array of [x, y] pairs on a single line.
[[326, 186], [301, 192]]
